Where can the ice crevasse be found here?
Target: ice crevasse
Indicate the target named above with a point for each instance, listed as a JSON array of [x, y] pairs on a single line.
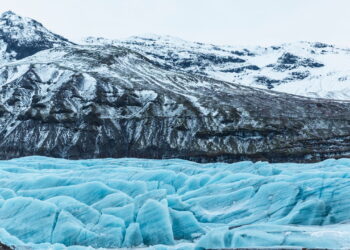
[[173, 204]]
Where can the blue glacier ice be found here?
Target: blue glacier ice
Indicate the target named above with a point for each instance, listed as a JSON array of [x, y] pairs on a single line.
[[133, 236], [48, 203], [155, 223]]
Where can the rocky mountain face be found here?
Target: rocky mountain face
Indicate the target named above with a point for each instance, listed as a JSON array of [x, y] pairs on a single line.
[[304, 68], [76, 101]]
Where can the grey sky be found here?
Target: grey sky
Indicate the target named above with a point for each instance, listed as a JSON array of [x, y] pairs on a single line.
[[235, 22]]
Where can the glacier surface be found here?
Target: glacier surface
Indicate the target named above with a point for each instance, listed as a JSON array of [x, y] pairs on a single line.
[[173, 204]]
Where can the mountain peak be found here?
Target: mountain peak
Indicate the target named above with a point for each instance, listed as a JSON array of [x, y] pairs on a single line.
[[22, 36], [7, 14], [9, 18]]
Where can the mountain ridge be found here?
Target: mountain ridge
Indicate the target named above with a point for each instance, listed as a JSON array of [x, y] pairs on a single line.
[[97, 101], [303, 68]]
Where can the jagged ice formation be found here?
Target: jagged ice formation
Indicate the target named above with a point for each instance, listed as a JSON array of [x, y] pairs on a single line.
[[112, 203]]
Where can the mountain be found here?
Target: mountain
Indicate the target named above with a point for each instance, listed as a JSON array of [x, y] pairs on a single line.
[[21, 37], [75, 101], [303, 68], [93, 101]]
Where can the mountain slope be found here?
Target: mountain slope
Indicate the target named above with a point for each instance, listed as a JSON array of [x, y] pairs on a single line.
[[307, 69], [21, 37], [70, 101], [93, 101]]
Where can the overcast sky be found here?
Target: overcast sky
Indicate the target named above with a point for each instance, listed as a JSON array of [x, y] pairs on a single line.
[[236, 22]]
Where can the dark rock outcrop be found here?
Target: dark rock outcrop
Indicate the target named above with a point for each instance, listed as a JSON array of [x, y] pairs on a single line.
[[5, 247], [288, 61]]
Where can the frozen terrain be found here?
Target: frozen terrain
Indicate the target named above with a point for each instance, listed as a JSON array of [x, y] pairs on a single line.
[[302, 68], [77, 102], [175, 204], [134, 99]]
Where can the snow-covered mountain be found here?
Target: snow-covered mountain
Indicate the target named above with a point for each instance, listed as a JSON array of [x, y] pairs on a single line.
[[21, 37], [304, 68], [89, 101]]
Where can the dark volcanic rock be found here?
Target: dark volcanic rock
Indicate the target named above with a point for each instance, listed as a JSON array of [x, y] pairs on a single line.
[[288, 61], [4, 247], [266, 81], [241, 69], [92, 101]]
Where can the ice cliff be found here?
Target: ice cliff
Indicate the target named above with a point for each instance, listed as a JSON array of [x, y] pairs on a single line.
[[175, 204]]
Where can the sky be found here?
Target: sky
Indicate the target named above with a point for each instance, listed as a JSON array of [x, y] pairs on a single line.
[[233, 22]]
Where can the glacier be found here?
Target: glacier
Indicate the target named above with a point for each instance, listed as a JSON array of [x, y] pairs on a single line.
[[48, 203]]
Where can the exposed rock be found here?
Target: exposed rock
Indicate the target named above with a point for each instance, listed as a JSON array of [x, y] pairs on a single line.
[[4, 247], [241, 69], [289, 61], [266, 81]]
